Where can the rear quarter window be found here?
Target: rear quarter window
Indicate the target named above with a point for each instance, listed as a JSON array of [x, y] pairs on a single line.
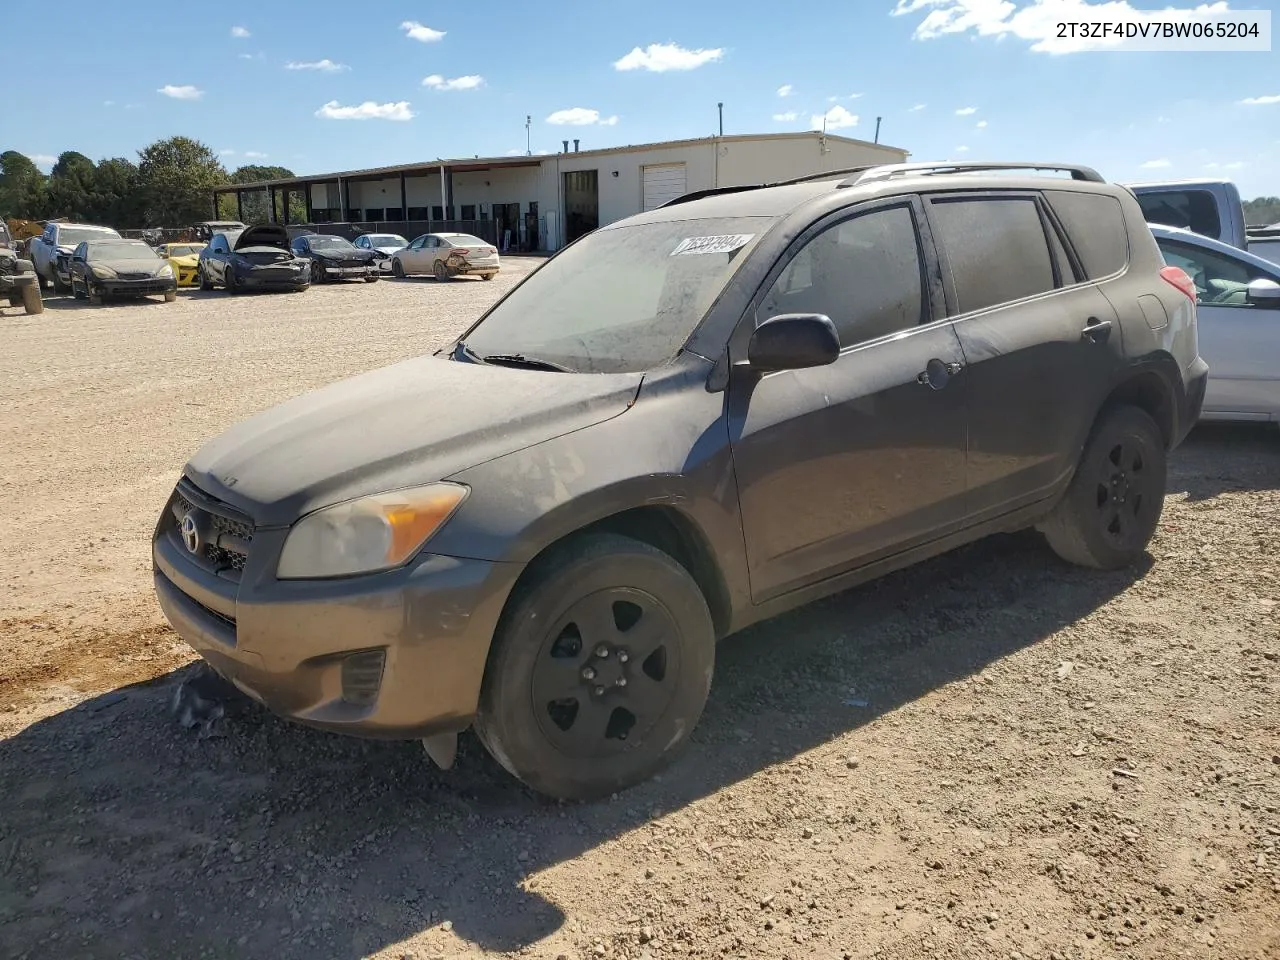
[[1095, 225], [1195, 210]]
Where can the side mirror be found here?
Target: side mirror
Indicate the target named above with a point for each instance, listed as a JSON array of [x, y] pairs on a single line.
[[793, 341], [1264, 293]]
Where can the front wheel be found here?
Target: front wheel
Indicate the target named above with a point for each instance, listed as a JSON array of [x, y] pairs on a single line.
[[58, 285], [489, 276], [600, 668], [371, 278], [76, 293], [170, 296], [32, 302], [1110, 511], [229, 281], [317, 273], [397, 269], [205, 282]]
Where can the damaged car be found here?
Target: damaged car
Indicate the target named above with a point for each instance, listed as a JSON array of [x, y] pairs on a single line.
[[255, 258], [120, 268], [336, 258]]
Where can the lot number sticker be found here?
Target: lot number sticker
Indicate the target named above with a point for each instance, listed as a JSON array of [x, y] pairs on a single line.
[[722, 244]]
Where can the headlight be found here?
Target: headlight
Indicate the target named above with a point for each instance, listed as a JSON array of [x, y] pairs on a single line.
[[165, 270], [367, 535], [103, 272]]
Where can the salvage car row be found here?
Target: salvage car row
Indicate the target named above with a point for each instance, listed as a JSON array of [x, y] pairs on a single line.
[[94, 262]]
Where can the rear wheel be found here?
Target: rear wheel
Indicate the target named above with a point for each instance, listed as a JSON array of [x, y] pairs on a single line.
[[489, 276], [32, 302], [43, 280], [1110, 511], [600, 668], [440, 271]]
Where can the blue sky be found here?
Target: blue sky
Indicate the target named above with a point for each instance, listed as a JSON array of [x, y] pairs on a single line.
[[283, 83]]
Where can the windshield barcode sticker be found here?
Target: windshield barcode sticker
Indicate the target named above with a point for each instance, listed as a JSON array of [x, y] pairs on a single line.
[[723, 244]]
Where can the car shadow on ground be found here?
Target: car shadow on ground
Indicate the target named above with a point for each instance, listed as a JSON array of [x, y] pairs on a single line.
[[1222, 457], [123, 834]]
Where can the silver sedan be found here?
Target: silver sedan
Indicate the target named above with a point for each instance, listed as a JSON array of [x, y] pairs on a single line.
[[445, 255]]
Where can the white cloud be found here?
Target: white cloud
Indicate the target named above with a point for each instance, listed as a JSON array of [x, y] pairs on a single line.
[[966, 111], [245, 56], [108, 103], [837, 118], [240, 33], [982, 124], [580, 117], [255, 155], [369, 110], [42, 159], [852, 96], [514, 153], [326, 65], [1234, 165], [789, 117], [181, 92], [784, 90], [1261, 101], [543, 153], [1160, 164], [917, 108], [470, 82], [661, 57], [1036, 21], [416, 31], [962, 149]]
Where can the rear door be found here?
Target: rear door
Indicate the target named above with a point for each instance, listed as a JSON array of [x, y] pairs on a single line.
[[838, 466], [1239, 340], [1041, 349]]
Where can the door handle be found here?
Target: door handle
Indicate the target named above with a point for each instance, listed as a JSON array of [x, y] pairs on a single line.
[[1097, 331], [938, 373]]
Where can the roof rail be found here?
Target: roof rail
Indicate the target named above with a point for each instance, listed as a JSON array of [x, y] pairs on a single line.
[[828, 175], [717, 191], [711, 192], [890, 170]]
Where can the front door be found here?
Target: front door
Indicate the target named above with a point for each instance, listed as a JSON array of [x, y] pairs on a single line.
[[838, 466], [1239, 340]]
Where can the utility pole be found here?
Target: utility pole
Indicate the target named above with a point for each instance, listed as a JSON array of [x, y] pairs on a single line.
[[720, 107], [878, 119], [528, 135]]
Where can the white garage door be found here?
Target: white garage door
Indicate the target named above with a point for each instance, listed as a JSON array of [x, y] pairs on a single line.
[[663, 182]]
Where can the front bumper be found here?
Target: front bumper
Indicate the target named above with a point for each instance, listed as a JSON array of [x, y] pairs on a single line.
[[133, 288], [246, 280], [393, 655], [353, 273], [384, 266]]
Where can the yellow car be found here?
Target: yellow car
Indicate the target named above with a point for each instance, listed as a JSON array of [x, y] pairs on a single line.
[[183, 257]]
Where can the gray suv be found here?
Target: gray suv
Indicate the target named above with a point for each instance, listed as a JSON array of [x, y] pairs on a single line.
[[683, 423]]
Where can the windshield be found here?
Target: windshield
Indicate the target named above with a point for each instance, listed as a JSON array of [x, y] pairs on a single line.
[[465, 240], [621, 299], [329, 243], [387, 240], [231, 235], [120, 250], [71, 236], [185, 250]]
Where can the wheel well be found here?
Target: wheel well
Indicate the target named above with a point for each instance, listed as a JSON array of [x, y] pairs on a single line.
[[1150, 392], [670, 531]]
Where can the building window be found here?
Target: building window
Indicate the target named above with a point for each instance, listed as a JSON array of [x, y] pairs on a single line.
[[468, 211], [419, 213], [437, 213]]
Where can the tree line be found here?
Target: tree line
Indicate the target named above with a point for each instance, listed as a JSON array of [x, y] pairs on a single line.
[[168, 186], [1262, 212]]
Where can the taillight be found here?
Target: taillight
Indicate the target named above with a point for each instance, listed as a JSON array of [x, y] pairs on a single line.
[[461, 251], [1179, 278]]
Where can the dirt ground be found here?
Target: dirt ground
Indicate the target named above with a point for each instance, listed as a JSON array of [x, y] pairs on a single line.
[[991, 755]]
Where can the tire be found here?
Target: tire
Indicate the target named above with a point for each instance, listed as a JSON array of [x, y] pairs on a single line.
[[170, 296], [1111, 509], [598, 735], [397, 269], [15, 298], [229, 281], [203, 278], [58, 285], [95, 299], [439, 270], [44, 281], [372, 278], [76, 293], [32, 302], [488, 276], [317, 273]]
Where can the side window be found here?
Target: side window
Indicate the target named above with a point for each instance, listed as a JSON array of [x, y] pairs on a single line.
[[1220, 280], [996, 249], [1095, 224], [1194, 210], [864, 273]]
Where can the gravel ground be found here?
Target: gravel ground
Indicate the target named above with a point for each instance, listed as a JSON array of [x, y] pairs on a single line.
[[990, 755]]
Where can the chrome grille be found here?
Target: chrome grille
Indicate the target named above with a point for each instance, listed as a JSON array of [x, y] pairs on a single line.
[[228, 534]]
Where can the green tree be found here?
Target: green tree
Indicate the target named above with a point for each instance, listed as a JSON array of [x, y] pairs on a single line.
[[1262, 212], [71, 186], [22, 187], [177, 176], [116, 199]]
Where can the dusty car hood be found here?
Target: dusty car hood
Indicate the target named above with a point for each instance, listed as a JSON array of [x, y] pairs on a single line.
[[413, 422], [130, 264]]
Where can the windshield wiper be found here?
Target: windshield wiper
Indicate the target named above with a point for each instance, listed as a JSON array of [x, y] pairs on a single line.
[[519, 360], [467, 352]]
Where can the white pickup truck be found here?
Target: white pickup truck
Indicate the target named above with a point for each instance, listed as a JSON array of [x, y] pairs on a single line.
[[51, 251]]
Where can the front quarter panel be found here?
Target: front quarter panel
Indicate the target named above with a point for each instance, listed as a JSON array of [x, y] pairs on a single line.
[[671, 449]]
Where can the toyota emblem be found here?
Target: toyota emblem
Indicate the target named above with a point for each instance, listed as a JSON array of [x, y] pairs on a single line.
[[190, 533]]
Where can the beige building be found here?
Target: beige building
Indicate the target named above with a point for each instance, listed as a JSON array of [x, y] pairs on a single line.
[[544, 202]]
